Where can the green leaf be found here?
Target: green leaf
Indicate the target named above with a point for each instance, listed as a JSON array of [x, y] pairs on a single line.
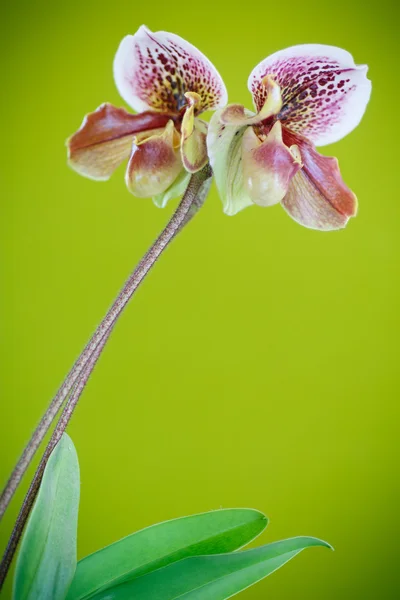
[[47, 559], [210, 577], [154, 547]]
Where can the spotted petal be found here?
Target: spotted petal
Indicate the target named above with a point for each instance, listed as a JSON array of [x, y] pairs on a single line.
[[317, 196], [155, 163], [324, 92], [155, 70], [105, 137]]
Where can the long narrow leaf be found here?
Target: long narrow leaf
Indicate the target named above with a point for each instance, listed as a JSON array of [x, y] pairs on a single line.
[[210, 577], [157, 546], [47, 559]]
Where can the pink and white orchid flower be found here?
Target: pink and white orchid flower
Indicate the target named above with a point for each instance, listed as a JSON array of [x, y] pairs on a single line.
[[304, 95], [169, 82]]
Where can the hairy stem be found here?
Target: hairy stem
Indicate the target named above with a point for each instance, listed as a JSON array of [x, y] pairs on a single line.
[[192, 200], [55, 438]]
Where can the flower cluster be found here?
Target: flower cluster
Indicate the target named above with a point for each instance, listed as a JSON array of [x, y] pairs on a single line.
[[304, 96]]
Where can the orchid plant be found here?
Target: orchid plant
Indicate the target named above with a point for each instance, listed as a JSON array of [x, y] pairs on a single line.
[[304, 96]]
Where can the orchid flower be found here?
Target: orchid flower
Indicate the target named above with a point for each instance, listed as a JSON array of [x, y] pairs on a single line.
[[169, 83], [304, 96]]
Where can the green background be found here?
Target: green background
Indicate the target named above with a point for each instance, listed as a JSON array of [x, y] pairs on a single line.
[[258, 364]]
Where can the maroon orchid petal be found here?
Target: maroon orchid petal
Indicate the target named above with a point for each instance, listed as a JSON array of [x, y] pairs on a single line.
[[268, 166], [105, 138], [317, 196], [155, 163]]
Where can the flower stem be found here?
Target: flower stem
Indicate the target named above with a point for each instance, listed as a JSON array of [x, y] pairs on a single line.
[[192, 200], [55, 438]]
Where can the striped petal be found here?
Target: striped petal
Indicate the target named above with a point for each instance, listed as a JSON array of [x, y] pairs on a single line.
[[155, 70], [224, 143], [155, 163], [317, 196], [324, 92], [105, 138]]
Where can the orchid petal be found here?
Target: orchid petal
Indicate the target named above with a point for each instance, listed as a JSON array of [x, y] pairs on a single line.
[[236, 114], [268, 166], [176, 189], [324, 92], [317, 196], [155, 163], [224, 143], [105, 137], [193, 137], [155, 70]]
